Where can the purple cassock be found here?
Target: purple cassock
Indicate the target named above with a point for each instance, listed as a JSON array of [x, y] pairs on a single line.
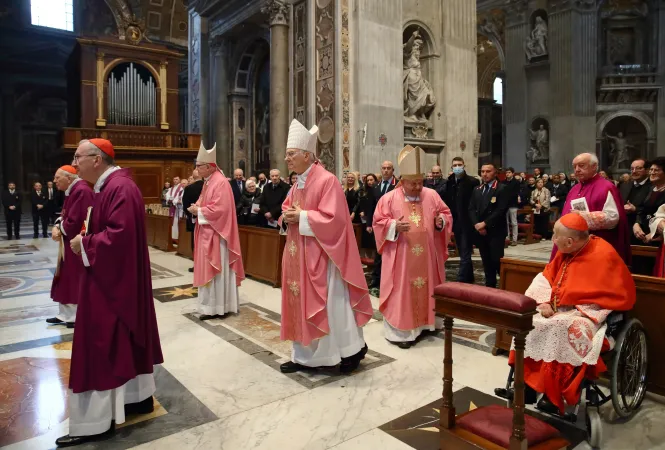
[[116, 335], [67, 282], [595, 191]]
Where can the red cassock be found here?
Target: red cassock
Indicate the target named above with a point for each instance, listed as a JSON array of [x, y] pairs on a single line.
[[66, 286], [116, 336]]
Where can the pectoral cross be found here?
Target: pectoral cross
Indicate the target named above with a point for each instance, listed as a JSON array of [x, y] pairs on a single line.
[[415, 218]]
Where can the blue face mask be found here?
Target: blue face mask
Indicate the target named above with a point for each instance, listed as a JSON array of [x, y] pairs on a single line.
[[457, 170]]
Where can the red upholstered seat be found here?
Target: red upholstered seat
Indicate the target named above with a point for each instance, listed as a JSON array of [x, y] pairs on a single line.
[[367, 261], [523, 226], [496, 298], [495, 423]]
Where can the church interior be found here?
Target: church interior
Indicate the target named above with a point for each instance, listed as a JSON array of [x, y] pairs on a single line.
[[519, 85]]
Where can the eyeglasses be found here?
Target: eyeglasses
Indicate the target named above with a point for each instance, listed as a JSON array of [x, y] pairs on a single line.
[[78, 157], [292, 154], [200, 165]]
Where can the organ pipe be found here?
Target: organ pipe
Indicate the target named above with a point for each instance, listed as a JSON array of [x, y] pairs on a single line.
[[131, 100]]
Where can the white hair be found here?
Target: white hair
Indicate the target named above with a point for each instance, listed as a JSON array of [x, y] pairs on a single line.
[[71, 176], [593, 159], [97, 151], [276, 171], [249, 183]]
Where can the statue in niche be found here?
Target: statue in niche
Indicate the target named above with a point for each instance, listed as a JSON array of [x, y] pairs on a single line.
[[536, 43], [619, 151], [539, 148], [419, 97], [264, 127]]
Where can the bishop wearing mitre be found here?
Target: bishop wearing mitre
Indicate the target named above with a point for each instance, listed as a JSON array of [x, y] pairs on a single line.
[[218, 269], [412, 227], [69, 273], [325, 300]]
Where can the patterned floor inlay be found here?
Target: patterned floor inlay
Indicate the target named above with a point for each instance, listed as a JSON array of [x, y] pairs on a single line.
[[472, 335], [159, 272], [26, 283], [175, 293], [34, 397], [255, 330], [420, 428], [17, 316], [17, 265], [12, 249]]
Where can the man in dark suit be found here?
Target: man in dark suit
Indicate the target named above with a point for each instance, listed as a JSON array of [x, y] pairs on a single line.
[[437, 182], [635, 192], [459, 189], [237, 185], [39, 210], [513, 192], [11, 201], [559, 192], [386, 184], [487, 210], [190, 196], [54, 202], [272, 197]]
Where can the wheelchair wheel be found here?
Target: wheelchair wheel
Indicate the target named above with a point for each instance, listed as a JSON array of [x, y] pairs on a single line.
[[629, 369], [594, 428]]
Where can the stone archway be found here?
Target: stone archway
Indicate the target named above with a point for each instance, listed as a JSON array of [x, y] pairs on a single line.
[[622, 136]]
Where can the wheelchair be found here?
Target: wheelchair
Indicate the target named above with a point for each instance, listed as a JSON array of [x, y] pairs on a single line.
[[627, 365]]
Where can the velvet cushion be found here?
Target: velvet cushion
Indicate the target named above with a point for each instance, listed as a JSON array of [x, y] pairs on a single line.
[[481, 295], [495, 423]]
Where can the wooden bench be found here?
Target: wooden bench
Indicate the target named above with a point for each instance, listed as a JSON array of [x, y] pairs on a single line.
[[262, 250], [158, 232], [644, 250], [516, 276], [184, 240], [493, 427]]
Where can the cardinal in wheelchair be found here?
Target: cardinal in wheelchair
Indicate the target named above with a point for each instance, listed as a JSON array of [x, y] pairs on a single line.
[[577, 290]]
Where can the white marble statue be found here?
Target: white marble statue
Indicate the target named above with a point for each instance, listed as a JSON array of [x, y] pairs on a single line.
[[536, 43], [419, 98], [540, 144], [619, 152]]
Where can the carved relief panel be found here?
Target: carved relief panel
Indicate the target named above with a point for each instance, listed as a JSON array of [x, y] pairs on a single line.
[[325, 81]]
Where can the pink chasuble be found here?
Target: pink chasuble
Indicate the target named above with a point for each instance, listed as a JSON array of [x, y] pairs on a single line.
[[218, 207], [305, 260], [415, 263]]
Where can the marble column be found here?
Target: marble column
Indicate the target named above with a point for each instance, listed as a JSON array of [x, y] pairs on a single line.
[[279, 81], [660, 125], [485, 128], [221, 106], [514, 100], [199, 80], [460, 85], [10, 152]]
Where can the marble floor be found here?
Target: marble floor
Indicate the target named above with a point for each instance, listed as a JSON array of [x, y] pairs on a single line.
[[220, 386]]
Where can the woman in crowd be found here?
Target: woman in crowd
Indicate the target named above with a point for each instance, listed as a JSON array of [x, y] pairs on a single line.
[[366, 205], [646, 214], [351, 191], [540, 201], [165, 191], [293, 178], [248, 206]]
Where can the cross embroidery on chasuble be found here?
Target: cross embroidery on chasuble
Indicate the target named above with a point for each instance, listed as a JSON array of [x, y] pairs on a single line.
[[417, 250], [295, 289], [419, 282], [415, 217], [292, 249]]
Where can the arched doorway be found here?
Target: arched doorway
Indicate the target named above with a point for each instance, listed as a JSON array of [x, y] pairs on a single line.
[[490, 100], [623, 138]]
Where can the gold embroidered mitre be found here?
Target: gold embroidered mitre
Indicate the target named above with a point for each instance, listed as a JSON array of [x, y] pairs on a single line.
[[410, 162]]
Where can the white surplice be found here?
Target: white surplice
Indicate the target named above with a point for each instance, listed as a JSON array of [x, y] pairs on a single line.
[[220, 296], [346, 337]]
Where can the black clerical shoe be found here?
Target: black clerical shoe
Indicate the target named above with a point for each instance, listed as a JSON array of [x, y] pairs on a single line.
[[71, 441], [55, 321], [351, 363], [291, 367], [45, 235], [35, 236], [545, 405], [70, 324], [143, 407], [191, 269], [208, 316]]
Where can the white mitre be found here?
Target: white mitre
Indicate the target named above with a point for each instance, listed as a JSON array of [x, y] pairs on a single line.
[[302, 138], [207, 156]]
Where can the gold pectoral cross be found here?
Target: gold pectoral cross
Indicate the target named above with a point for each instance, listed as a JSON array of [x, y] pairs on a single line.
[[415, 218]]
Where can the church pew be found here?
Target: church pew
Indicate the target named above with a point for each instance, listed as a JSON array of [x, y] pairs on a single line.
[[158, 231], [184, 240], [262, 250], [644, 250], [516, 276]]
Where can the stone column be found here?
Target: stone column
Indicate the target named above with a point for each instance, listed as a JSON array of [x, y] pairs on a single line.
[[199, 70], [514, 101], [460, 85], [279, 81], [485, 128], [660, 125], [10, 152], [221, 106]]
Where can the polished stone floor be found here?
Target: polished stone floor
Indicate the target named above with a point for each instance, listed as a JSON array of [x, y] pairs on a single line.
[[220, 387]]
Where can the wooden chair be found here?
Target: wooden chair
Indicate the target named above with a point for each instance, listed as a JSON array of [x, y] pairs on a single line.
[[554, 216], [525, 230], [492, 427], [452, 247]]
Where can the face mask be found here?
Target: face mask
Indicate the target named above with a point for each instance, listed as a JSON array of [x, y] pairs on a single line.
[[457, 170]]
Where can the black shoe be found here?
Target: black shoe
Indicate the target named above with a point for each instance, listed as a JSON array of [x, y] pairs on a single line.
[[545, 405], [55, 321], [351, 363], [191, 269], [405, 345], [70, 441], [143, 407], [45, 235], [35, 236], [291, 367], [208, 316], [70, 324]]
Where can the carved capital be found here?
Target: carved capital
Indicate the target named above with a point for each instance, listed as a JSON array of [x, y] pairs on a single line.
[[278, 10]]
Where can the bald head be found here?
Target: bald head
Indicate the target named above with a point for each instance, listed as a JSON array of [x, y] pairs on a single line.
[[568, 240], [586, 166], [387, 170], [436, 172], [196, 175]]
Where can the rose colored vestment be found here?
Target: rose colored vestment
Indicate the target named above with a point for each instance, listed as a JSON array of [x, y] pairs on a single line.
[[413, 264], [116, 337], [67, 282], [595, 191], [305, 260], [564, 349], [218, 207]]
